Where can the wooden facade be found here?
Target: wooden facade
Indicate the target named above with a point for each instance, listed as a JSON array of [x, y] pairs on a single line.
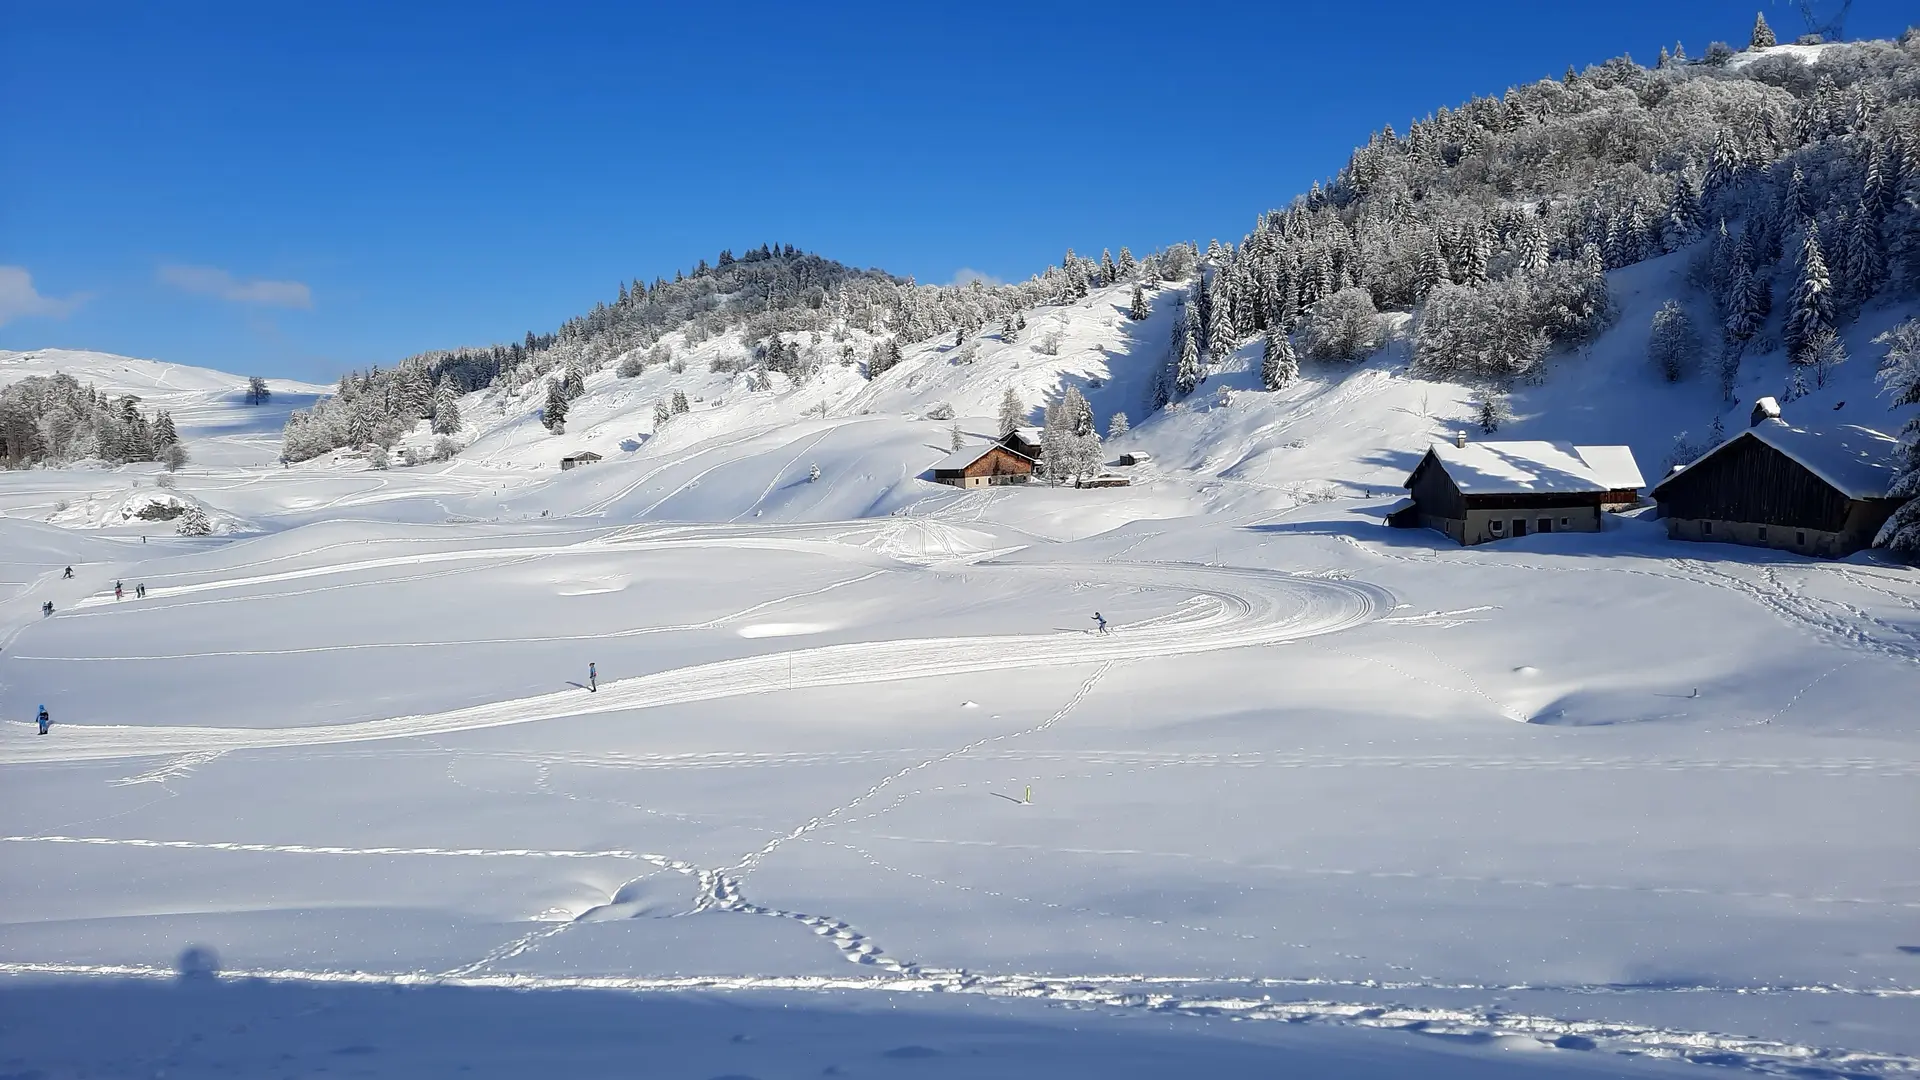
[[1439, 504], [586, 457], [996, 465], [1749, 492]]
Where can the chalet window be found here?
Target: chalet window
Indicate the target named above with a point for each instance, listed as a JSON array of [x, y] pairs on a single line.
[[1763, 532], [1497, 528], [1800, 538], [1565, 522]]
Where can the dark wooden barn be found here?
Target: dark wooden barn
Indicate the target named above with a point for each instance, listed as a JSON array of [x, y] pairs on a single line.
[[983, 466], [1781, 486], [1023, 441], [1494, 490]]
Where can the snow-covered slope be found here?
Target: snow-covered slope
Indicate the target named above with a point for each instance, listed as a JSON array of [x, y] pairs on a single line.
[[209, 407]]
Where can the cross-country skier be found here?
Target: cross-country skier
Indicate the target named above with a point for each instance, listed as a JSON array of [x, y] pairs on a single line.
[[69, 573], [45, 721], [1100, 621], [593, 678]]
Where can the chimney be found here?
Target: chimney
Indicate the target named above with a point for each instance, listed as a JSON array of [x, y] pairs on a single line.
[[1460, 438], [1764, 408]]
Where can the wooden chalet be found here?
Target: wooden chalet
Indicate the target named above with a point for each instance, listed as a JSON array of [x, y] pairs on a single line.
[[1476, 492], [585, 457], [1024, 441], [1781, 486], [983, 466]]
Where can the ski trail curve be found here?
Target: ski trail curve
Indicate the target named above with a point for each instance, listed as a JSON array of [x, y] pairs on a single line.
[[1249, 608]]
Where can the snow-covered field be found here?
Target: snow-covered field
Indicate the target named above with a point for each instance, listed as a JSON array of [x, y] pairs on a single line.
[[859, 792]]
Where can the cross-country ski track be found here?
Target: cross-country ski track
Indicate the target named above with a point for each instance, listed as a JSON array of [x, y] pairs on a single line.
[[1231, 608]]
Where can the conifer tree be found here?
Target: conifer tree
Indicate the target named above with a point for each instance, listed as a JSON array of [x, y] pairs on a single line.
[[956, 438], [1762, 33], [1672, 346], [1220, 341], [1127, 267], [680, 406], [1278, 364], [1118, 425], [1811, 308], [554, 415], [446, 411], [1013, 413], [1138, 310], [1188, 374], [1493, 412]]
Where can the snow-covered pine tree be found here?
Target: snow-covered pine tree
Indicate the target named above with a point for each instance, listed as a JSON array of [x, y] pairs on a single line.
[[164, 434], [1811, 308], [680, 406], [446, 411], [1137, 311], [662, 412], [1762, 33], [1118, 424], [554, 414], [1493, 412], [1013, 413], [1865, 259], [1108, 273], [1010, 331], [193, 521], [1475, 254], [1188, 374], [1672, 345], [955, 440], [1220, 334], [1899, 379], [1278, 364], [813, 472], [1127, 267]]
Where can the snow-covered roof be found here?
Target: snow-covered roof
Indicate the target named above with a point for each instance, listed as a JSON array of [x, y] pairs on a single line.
[[1613, 466], [1491, 468], [966, 456], [1029, 434], [1858, 462]]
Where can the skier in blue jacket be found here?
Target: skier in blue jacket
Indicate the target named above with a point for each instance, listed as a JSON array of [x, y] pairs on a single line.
[[45, 721], [593, 678]]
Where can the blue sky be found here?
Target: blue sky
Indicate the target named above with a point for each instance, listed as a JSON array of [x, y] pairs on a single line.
[[296, 190]]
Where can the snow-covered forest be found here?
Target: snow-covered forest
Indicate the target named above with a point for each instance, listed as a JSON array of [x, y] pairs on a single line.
[[54, 420]]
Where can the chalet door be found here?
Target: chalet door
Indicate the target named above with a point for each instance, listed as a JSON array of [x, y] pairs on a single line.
[[1546, 525], [1519, 526]]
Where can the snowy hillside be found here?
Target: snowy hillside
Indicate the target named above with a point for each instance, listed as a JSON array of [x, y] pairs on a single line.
[[209, 406], [748, 751]]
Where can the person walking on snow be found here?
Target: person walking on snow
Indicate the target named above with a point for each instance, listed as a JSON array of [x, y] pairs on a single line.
[[118, 592], [593, 678], [140, 591], [69, 574], [45, 721], [46, 608], [1100, 621]]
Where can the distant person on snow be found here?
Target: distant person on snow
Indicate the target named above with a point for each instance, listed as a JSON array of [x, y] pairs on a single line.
[[46, 608], [140, 591], [118, 592], [593, 678], [1100, 621], [45, 720], [69, 574]]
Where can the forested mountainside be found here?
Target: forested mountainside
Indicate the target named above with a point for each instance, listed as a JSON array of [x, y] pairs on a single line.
[[1790, 174], [774, 290]]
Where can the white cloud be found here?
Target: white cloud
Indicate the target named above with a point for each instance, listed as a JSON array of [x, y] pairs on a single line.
[[967, 275], [20, 300], [213, 281]]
